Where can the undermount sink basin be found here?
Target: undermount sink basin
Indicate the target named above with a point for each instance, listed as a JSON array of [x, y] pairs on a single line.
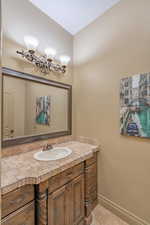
[[53, 154]]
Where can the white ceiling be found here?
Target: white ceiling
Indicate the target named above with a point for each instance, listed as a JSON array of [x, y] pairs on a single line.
[[74, 15]]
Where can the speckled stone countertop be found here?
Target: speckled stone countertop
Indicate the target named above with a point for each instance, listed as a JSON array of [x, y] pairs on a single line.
[[22, 169]]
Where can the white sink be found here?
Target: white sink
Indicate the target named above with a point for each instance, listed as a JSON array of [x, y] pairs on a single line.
[[53, 154]]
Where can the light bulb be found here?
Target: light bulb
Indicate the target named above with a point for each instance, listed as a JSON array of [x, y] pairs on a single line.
[[50, 53], [64, 59], [31, 42]]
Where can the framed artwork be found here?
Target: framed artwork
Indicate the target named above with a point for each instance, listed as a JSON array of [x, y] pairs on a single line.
[[135, 105], [43, 105]]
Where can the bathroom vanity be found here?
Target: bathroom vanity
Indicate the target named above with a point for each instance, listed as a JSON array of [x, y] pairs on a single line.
[[56, 192], [67, 198]]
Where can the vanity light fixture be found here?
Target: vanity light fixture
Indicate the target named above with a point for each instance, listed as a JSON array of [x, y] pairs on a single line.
[[45, 62]]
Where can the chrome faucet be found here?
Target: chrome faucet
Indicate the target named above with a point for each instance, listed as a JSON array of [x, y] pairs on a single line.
[[47, 147]]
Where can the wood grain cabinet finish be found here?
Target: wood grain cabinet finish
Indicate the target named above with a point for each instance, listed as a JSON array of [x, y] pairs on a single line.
[[23, 216], [64, 177], [91, 160], [90, 185], [77, 200], [65, 199], [66, 205], [59, 206], [42, 203], [16, 199]]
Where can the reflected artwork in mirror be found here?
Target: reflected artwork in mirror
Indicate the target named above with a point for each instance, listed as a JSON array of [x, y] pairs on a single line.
[[34, 108], [43, 110]]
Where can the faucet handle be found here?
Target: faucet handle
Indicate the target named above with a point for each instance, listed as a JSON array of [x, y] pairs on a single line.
[[48, 147], [45, 147]]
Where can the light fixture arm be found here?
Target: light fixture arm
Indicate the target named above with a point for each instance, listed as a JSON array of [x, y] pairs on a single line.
[[45, 65]]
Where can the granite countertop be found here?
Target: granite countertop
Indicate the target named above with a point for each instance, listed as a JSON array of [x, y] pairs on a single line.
[[22, 169]]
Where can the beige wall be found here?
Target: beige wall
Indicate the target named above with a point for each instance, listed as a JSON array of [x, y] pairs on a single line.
[[21, 18], [116, 45]]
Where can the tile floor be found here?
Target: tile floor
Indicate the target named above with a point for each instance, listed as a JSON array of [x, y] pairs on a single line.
[[102, 216]]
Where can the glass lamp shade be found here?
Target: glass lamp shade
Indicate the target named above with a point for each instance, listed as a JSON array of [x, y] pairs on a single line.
[[50, 53], [64, 59], [31, 42]]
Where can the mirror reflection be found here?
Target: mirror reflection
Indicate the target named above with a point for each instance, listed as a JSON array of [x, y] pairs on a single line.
[[32, 108]]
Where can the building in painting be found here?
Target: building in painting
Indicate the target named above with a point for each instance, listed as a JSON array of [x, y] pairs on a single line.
[[144, 87], [125, 91], [135, 105], [135, 91]]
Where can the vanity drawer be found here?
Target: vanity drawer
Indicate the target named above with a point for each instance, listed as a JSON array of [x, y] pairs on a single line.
[[23, 216], [64, 177], [92, 160], [16, 199]]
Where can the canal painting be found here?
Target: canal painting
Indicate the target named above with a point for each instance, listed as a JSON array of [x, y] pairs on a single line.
[[43, 110], [135, 105]]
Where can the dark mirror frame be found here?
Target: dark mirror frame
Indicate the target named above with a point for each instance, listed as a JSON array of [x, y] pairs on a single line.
[[38, 79]]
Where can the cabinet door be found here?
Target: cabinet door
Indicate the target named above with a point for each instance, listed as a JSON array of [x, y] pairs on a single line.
[[78, 199], [59, 206], [23, 216]]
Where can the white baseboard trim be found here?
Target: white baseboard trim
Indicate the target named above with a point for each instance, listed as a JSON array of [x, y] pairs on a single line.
[[127, 216]]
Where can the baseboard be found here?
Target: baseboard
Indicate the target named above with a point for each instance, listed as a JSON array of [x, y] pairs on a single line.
[[127, 216]]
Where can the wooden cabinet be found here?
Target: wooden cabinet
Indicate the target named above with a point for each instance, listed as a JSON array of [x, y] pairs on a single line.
[[66, 176], [23, 216], [77, 199], [66, 205], [90, 187], [59, 206], [18, 206], [65, 199], [71, 196], [16, 199]]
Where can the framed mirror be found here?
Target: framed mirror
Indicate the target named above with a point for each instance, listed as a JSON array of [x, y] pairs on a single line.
[[34, 108]]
